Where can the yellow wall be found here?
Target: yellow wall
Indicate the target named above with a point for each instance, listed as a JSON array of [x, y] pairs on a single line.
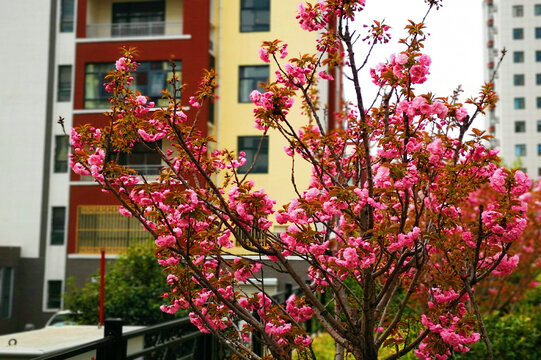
[[236, 119]]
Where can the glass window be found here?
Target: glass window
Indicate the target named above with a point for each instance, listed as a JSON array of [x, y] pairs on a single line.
[[538, 56], [520, 103], [103, 227], [143, 159], [520, 126], [250, 146], [58, 221], [138, 18], [64, 83], [54, 294], [538, 79], [538, 125], [150, 79], [6, 290], [520, 150], [249, 79], [537, 9], [518, 56], [538, 32], [61, 153], [538, 149], [66, 16], [518, 79], [254, 15], [538, 101], [518, 11], [518, 33], [539, 172]]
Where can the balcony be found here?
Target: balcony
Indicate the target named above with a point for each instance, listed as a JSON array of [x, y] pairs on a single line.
[[119, 19], [134, 29]]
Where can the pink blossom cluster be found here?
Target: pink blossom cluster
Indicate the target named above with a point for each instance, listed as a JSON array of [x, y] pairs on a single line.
[[400, 68]]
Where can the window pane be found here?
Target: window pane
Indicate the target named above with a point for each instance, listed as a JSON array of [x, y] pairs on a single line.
[[54, 294], [520, 126], [66, 16], [538, 56], [249, 79], [6, 280], [150, 79], [518, 11], [520, 150], [537, 9], [538, 125], [538, 32], [64, 83], [518, 33], [143, 159], [58, 220], [520, 103], [518, 79], [538, 100], [250, 145], [61, 153], [518, 56], [255, 15], [538, 79], [104, 227], [538, 149]]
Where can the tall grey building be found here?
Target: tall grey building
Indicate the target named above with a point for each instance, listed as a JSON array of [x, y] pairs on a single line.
[[515, 25]]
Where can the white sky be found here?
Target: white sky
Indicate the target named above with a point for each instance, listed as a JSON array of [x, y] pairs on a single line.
[[455, 43]]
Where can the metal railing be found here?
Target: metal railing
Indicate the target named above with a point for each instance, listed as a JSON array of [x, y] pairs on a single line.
[[150, 28]]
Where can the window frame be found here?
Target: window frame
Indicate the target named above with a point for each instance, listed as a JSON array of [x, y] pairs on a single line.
[[61, 151], [520, 150], [537, 9], [241, 96], [67, 16], [520, 126], [518, 57], [262, 164], [519, 79], [58, 225], [517, 10], [63, 85], [538, 123], [518, 33], [245, 9], [53, 299], [519, 103], [538, 56]]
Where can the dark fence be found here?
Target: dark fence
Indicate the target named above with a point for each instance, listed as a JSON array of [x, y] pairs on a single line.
[[176, 339]]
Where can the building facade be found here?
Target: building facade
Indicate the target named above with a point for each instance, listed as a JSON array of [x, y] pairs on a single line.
[[515, 26], [55, 222]]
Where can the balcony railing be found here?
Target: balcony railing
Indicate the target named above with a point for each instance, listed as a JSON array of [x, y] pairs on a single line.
[[150, 28]]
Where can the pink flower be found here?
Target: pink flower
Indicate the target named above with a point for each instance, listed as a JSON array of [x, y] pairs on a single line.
[[264, 55], [193, 102]]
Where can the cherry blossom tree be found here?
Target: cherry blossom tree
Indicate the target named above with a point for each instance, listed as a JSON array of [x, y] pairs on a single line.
[[406, 213]]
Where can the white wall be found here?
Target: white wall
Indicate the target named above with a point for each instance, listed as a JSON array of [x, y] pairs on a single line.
[[24, 38]]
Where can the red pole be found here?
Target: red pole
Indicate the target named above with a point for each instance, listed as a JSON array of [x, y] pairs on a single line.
[[102, 288]]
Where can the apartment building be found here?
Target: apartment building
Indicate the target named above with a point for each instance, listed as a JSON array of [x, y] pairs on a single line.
[[515, 25], [55, 222]]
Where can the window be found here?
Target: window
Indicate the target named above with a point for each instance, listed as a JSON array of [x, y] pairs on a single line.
[[520, 103], [518, 56], [54, 294], [58, 221], [537, 9], [538, 79], [520, 126], [143, 159], [250, 146], [538, 56], [254, 15], [518, 11], [249, 79], [66, 16], [538, 32], [6, 291], [150, 79], [138, 18], [64, 83], [538, 125], [520, 150], [103, 227], [518, 33], [518, 79], [538, 100], [539, 172], [61, 153], [538, 149]]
